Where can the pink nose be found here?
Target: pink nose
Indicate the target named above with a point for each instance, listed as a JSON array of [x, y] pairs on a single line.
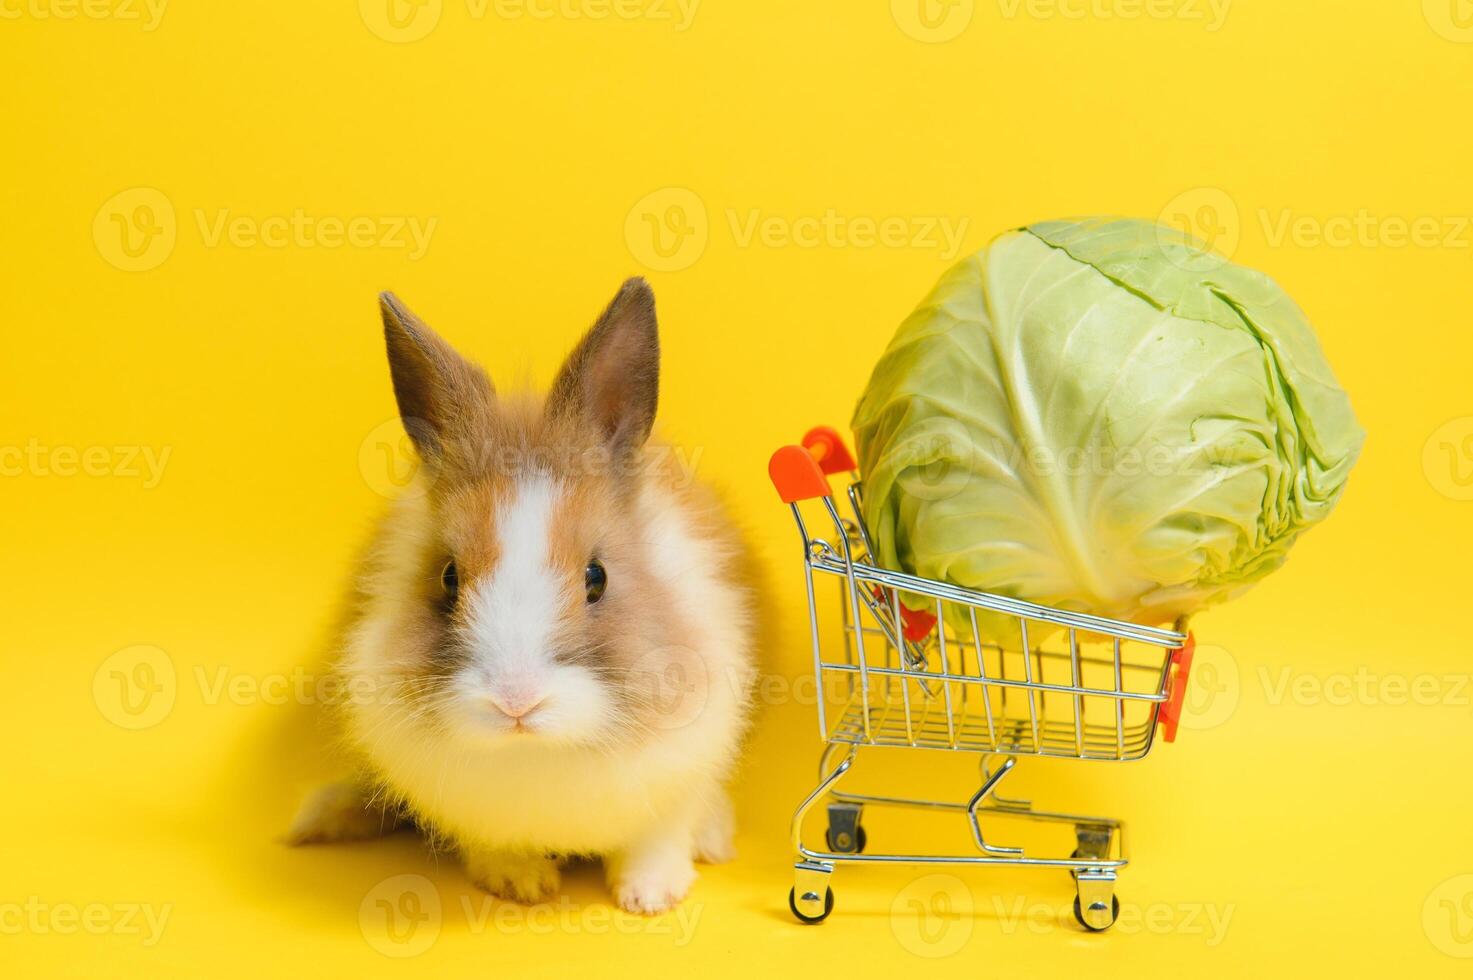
[[515, 703]]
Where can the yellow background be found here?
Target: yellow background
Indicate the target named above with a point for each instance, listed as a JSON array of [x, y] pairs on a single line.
[[1331, 835]]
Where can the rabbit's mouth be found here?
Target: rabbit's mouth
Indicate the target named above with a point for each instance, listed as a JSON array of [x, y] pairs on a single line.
[[566, 703], [486, 714]]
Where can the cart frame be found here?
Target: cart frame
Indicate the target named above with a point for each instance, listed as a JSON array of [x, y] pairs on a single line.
[[923, 672]]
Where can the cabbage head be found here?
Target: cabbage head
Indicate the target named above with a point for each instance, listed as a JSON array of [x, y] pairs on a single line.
[[1103, 416]]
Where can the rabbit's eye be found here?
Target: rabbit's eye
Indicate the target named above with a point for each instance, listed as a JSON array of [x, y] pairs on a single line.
[[595, 580], [450, 579]]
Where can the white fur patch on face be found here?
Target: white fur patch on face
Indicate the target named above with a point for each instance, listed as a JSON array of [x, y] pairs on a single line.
[[512, 617], [513, 611]]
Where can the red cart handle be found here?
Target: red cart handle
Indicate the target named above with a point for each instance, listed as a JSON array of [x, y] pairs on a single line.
[[802, 472], [795, 474], [827, 446], [1169, 715]]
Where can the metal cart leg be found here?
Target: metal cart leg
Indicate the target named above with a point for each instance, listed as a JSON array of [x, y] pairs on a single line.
[[812, 898], [1092, 843]]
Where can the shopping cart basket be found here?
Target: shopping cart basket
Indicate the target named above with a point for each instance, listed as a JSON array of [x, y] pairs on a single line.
[[927, 665]]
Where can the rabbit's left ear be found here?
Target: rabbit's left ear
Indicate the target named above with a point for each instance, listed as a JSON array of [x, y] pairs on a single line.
[[445, 401], [611, 381]]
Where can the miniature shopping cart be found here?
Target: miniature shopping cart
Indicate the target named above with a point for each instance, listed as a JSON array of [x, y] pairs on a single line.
[[927, 665]]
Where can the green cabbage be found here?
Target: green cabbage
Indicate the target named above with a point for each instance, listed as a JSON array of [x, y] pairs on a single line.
[[1101, 415]]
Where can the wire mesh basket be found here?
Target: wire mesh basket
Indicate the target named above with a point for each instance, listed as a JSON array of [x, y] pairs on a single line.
[[920, 663]]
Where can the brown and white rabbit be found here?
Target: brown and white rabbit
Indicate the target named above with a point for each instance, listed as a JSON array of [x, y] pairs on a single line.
[[551, 653]]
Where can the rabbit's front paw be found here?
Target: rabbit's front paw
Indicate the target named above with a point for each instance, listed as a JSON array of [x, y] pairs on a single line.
[[516, 877], [652, 881]]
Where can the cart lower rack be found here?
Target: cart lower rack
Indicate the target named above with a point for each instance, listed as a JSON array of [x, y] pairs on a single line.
[[922, 664]]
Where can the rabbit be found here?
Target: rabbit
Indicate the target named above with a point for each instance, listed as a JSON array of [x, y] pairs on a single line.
[[551, 654]]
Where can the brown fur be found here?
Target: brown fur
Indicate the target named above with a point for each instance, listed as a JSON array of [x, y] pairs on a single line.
[[590, 432], [436, 736]]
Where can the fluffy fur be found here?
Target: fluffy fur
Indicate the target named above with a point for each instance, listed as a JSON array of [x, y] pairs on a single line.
[[510, 714]]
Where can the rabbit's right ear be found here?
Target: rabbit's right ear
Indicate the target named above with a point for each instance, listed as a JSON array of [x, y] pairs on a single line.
[[444, 400]]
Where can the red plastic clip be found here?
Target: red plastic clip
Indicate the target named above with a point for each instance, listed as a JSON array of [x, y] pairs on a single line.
[[916, 624], [1169, 714]]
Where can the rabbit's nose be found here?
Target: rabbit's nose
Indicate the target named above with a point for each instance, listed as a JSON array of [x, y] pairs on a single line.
[[516, 702]]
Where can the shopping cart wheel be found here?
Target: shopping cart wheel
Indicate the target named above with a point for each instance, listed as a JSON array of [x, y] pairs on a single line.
[[811, 898], [1096, 921], [812, 920], [845, 834], [843, 842]]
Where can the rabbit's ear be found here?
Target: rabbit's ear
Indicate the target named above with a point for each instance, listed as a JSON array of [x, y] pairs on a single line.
[[611, 381], [444, 400]]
